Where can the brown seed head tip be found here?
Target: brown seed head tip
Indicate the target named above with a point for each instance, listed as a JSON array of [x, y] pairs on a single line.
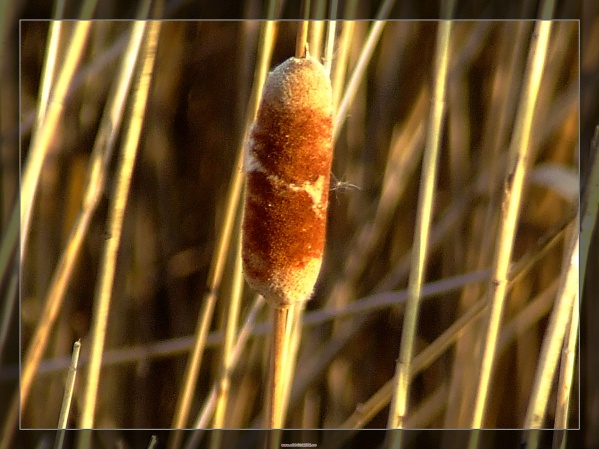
[[288, 162]]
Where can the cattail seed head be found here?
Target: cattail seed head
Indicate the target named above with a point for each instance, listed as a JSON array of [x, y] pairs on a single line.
[[288, 161]]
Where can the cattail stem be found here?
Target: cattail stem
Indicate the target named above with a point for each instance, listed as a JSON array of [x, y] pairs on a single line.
[[281, 331], [278, 378]]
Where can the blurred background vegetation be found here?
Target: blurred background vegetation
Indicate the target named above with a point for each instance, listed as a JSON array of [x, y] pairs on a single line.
[[193, 128]]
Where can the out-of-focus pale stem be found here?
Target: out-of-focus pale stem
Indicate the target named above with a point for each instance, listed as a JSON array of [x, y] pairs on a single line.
[[510, 209], [399, 402], [360, 69], [205, 414], [218, 261], [553, 341], [330, 37], [44, 132], [104, 288], [228, 346]]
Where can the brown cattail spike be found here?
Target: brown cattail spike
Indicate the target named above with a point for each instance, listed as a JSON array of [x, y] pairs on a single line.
[[288, 162]]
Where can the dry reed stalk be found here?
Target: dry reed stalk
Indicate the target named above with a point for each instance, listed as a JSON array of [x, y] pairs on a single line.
[[153, 442], [330, 37], [95, 186], [589, 206], [525, 319], [358, 74], [554, 339], [535, 311], [228, 344], [504, 92], [204, 416], [39, 149], [421, 233], [68, 396], [339, 65], [568, 357], [49, 117], [345, 94], [45, 130], [218, 260], [509, 213], [94, 189], [560, 437], [104, 288]]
